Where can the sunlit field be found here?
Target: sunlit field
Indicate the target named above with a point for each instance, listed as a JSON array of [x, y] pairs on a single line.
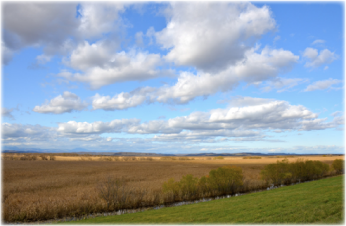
[[316, 202], [67, 185]]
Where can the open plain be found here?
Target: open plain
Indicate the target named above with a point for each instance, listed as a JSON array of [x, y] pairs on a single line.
[[44, 189]]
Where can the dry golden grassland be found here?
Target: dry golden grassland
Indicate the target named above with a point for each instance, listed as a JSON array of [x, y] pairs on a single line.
[[45, 189]]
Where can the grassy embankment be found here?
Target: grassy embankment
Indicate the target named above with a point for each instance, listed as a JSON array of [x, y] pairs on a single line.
[[318, 202]]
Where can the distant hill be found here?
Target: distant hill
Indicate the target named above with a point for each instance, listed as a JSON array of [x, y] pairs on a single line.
[[82, 151]]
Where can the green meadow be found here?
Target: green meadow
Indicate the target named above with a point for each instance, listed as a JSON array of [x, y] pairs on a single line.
[[317, 202]]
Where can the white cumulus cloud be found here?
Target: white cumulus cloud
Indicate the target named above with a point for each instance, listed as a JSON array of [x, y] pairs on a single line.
[[193, 39], [118, 102], [321, 85], [54, 24], [256, 66], [318, 41], [115, 126], [315, 60], [67, 102], [101, 65]]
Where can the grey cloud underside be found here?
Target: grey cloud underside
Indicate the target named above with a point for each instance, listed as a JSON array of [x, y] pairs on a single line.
[[256, 66], [7, 112], [222, 56], [193, 39], [316, 59], [55, 26], [245, 119], [19, 132], [324, 84], [100, 65]]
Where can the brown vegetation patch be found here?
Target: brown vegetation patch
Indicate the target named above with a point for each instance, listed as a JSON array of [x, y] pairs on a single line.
[[40, 189]]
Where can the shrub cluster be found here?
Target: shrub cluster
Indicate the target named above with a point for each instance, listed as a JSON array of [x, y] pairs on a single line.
[[129, 158], [339, 166], [252, 157], [44, 157], [284, 172], [146, 158], [185, 158], [28, 157], [168, 158], [224, 180], [219, 157], [52, 157], [119, 196]]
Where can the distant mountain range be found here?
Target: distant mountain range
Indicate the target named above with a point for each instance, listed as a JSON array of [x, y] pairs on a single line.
[[82, 151]]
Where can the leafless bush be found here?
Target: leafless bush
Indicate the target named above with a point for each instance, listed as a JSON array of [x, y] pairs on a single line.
[[115, 193], [129, 159], [44, 157], [252, 157], [146, 158], [168, 158], [85, 159], [29, 157], [185, 158], [219, 157], [10, 157], [52, 158], [106, 159]]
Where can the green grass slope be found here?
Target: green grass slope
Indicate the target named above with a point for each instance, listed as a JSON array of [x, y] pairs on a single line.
[[318, 202]]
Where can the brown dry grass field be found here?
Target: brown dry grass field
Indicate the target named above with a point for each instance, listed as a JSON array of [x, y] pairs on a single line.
[[37, 189]]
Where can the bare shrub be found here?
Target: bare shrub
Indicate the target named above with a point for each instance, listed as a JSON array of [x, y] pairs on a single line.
[[11, 157], [142, 158], [85, 159], [117, 195], [29, 157], [219, 157], [167, 158], [105, 158], [185, 158], [129, 158], [44, 157], [150, 159], [339, 165], [52, 158], [252, 157]]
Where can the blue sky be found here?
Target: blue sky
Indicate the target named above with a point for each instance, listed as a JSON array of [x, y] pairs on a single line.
[[183, 77]]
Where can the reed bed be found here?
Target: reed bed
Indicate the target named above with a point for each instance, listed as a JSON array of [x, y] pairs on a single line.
[[42, 190]]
